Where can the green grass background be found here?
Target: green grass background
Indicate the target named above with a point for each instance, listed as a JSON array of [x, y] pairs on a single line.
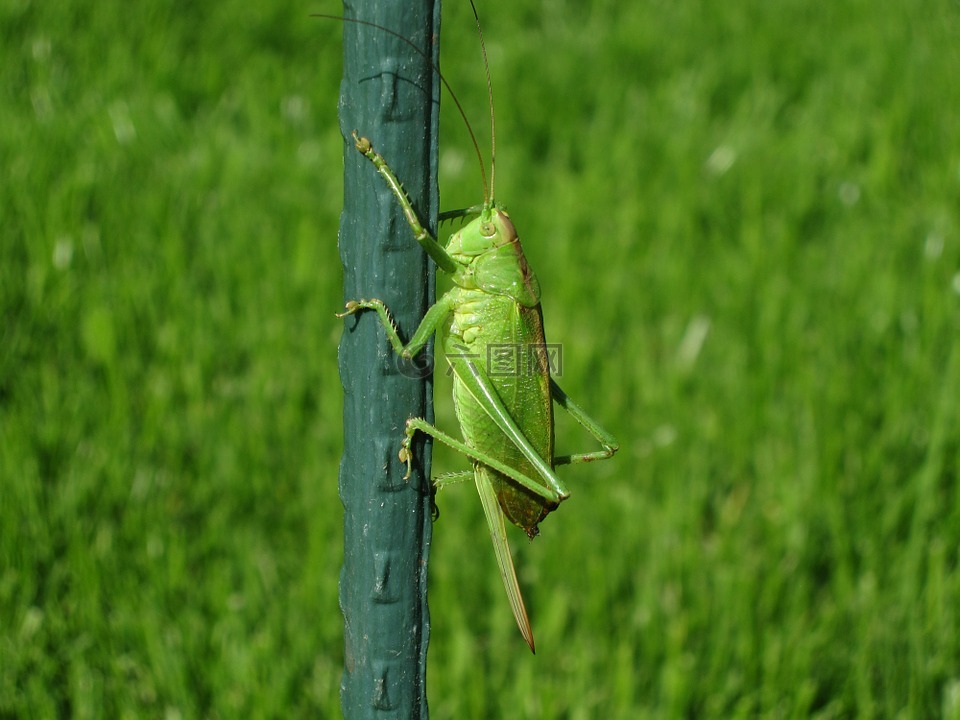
[[746, 221]]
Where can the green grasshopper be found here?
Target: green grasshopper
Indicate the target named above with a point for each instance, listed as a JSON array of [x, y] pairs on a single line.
[[506, 418]]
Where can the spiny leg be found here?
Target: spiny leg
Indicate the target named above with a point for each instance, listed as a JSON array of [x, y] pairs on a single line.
[[479, 385], [431, 321], [406, 456], [422, 236], [451, 478]]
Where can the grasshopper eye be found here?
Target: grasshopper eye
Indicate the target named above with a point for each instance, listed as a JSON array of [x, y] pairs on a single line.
[[488, 230]]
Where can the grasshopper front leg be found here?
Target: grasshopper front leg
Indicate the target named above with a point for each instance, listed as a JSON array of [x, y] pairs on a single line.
[[422, 236]]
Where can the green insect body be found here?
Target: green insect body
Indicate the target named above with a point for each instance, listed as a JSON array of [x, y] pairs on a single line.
[[496, 290], [506, 417]]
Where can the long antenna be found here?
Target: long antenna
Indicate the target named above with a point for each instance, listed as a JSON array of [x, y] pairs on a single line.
[[493, 124], [487, 198]]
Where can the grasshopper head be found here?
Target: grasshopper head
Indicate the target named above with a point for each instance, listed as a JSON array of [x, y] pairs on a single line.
[[489, 253], [492, 229]]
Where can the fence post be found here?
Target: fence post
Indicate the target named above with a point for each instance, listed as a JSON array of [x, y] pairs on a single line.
[[389, 94]]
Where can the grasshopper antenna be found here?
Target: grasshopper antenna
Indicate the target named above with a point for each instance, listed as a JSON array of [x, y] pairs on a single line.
[[493, 124], [487, 194]]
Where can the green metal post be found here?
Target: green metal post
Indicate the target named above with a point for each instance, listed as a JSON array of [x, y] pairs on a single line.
[[389, 94]]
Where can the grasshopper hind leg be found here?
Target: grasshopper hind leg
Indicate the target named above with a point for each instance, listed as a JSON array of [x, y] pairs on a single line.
[[491, 509], [406, 456]]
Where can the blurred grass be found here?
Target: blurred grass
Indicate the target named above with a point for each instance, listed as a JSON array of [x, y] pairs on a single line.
[[745, 219]]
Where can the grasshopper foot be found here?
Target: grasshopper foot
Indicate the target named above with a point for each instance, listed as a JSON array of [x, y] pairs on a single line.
[[361, 143], [406, 457], [352, 306], [406, 454]]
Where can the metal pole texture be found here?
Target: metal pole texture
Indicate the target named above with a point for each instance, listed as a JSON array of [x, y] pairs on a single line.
[[389, 94]]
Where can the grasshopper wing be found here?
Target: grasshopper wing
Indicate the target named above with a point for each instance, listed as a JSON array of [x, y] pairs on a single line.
[[498, 533]]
